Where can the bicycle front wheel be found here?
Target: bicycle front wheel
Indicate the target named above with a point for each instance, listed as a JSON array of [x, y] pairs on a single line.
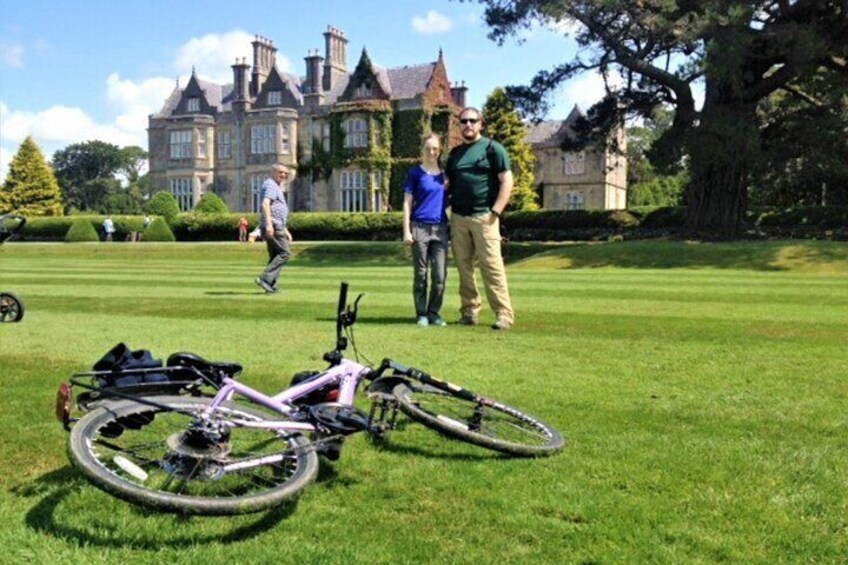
[[483, 422], [11, 308], [163, 458]]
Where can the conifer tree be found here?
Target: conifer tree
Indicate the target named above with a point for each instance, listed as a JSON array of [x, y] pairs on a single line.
[[503, 124], [30, 188]]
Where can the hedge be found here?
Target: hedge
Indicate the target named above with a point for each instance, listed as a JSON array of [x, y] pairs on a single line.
[[54, 228], [543, 225]]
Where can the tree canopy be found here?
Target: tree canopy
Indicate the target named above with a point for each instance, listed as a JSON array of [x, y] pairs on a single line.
[[85, 172], [30, 188], [503, 124], [653, 52]]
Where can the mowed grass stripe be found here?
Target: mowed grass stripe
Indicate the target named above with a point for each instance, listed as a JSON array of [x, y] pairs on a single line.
[[704, 407]]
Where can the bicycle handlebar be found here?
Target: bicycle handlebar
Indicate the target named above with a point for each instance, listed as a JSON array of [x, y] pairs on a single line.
[[345, 318]]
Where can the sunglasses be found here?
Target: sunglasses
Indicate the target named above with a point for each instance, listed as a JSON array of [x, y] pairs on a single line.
[[465, 121]]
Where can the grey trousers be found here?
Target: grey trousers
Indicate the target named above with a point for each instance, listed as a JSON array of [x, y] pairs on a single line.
[[279, 253], [429, 252]]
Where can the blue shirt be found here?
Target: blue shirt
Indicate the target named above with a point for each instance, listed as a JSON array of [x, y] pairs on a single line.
[[279, 209], [428, 196]]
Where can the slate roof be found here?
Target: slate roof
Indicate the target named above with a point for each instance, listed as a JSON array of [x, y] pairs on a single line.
[[408, 82], [551, 133], [401, 83]]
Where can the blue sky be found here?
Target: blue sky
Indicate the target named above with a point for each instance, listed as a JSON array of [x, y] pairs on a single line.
[[77, 71]]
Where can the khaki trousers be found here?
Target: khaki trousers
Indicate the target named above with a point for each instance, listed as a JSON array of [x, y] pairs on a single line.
[[475, 241]]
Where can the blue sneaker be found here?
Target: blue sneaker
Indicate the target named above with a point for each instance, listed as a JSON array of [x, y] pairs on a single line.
[[437, 321], [423, 321]]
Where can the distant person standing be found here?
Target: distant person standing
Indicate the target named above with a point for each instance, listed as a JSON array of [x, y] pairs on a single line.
[[108, 228], [425, 229], [242, 229], [479, 186], [146, 222], [273, 215]]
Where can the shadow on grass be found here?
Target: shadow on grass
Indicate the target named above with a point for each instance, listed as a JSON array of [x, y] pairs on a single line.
[[387, 320], [749, 255], [233, 293], [55, 487]]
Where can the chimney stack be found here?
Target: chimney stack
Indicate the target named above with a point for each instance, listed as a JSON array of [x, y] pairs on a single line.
[[459, 91], [264, 59], [313, 93], [335, 62]]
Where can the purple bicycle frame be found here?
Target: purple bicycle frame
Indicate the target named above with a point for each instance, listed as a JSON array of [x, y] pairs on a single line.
[[347, 374]]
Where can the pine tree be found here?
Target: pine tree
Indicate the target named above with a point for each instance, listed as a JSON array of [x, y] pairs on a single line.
[[30, 188], [503, 124]]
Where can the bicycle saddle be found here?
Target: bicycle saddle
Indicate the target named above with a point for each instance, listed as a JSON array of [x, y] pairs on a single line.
[[183, 359]]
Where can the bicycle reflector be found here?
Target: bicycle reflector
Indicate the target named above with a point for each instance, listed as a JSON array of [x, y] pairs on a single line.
[[63, 404]]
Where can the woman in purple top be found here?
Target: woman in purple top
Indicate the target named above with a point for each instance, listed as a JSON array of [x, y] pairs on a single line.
[[425, 229]]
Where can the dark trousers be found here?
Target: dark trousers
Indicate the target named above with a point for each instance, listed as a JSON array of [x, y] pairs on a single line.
[[429, 252], [279, 253]]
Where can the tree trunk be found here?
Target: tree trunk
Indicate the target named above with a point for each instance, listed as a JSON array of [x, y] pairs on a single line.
[[723, 150]]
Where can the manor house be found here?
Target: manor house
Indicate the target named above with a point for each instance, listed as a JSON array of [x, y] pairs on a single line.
[[348, 137]]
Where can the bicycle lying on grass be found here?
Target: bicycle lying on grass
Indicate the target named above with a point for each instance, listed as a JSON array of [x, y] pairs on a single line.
[[150, 436], [11, 307]]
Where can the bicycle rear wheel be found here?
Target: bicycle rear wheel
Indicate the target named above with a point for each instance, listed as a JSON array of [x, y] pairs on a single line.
[[483, 422], [159, 457], [11, 308]]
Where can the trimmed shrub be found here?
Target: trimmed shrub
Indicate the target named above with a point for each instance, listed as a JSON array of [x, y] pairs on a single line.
[[158, 230], [163, 204], [211, 203], [81, 230]]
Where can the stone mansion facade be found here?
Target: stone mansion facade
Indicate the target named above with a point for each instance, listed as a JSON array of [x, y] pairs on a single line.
[[348, 137], [592, 179]]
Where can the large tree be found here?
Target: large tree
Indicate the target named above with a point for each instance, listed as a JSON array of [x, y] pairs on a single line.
[[741, 52], [503, 124], [81, 168], [804, 146], [30, 188]]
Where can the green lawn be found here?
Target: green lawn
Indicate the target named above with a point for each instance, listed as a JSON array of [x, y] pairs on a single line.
[[701, 388]]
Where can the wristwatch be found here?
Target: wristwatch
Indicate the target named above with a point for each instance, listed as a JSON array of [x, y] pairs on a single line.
[[495, 213]]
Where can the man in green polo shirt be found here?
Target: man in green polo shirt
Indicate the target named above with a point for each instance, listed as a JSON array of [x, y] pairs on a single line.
[[479, 185]]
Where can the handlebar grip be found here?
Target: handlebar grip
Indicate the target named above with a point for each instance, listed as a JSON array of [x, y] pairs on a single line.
[[342, 297]]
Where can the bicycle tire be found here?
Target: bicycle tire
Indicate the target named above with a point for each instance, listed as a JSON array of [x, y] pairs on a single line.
[[499, 427], [11, 308], [143, 437]]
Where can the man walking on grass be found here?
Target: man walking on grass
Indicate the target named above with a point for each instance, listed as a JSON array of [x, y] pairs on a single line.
[[273, 214], [480, 182]]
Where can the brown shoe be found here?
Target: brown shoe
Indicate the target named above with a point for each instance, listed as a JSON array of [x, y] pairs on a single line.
[[467, 320]]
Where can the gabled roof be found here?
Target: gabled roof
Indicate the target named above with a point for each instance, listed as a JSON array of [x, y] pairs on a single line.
[[216, 95], [410, 81], [551, 133]]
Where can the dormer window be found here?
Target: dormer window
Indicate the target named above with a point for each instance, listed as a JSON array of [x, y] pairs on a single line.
[[193, 104], [275, 97], [363, 90]]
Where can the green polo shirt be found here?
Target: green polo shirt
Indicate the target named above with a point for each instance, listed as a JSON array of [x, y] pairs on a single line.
[[473, 185]]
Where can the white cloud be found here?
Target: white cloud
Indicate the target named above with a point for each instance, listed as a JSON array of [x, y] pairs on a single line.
[[135, 101], [213, 54], [11, 55], [432, 23], [585, 90], [130, 102]]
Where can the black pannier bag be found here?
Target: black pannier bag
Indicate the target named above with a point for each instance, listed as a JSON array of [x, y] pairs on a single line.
[[127, 367]]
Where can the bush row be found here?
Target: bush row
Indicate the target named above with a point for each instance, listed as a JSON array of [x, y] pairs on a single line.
[[543, 225]]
